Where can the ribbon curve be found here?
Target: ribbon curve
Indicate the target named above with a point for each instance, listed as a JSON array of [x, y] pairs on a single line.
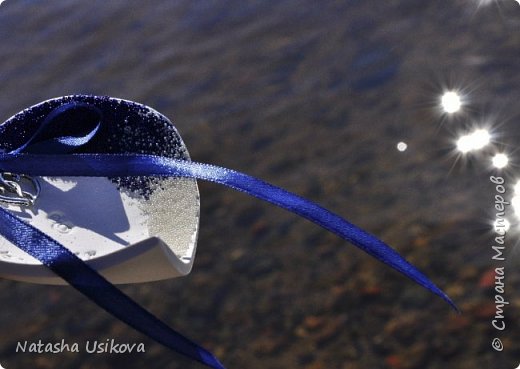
[[47, 153]]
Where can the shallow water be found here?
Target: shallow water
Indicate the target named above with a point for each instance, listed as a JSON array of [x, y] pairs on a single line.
[[313, 97]]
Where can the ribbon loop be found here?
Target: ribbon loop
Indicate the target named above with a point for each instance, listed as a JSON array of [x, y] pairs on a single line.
[[57, 135]]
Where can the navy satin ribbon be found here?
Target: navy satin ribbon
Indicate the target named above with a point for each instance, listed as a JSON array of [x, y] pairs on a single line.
[[115, 165], [49, 137], [33, 158], [90, 283]]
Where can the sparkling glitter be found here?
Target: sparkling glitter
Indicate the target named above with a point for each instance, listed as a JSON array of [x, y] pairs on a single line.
[[174, 214]]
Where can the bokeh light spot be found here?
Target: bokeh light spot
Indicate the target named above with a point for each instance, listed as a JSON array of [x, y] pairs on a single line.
[[500, 160], [402, 146], [451, 102]]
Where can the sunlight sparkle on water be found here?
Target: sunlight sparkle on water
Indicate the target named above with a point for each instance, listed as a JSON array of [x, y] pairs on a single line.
[[473, 141], [501, 225], [515, 201], [500, 160], [451, 102], [517, 188], [402, 146]]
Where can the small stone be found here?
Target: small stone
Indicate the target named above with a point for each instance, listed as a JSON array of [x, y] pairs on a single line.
[[331, 329], [457, 323], [421, 242], [313, 322], [267, 345], [485, 311], [488, 279], [259, 227], [237, 254], [468, 272], [394, 361], [316, 365], [370, 291], [455, 291]]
